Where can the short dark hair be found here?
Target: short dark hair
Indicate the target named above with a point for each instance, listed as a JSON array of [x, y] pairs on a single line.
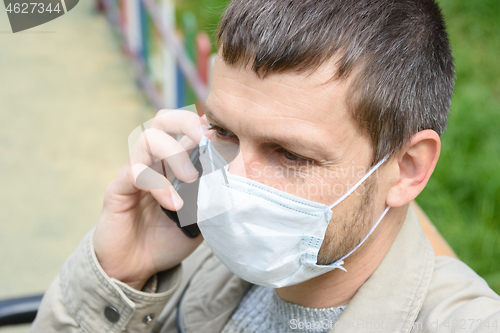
[[398, 50]]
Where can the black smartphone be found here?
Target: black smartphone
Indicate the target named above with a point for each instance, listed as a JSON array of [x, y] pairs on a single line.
[[189, 194]]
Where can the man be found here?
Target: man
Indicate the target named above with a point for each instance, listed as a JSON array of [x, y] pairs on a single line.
[[309, 91]]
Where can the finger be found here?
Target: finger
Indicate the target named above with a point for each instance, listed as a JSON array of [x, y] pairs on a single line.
[[187, 143], [125, 184], [155, 146], [147, 180], [205, 125], [179, 122]]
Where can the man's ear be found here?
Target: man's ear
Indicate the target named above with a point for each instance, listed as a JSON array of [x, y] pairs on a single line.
[[414, 166]]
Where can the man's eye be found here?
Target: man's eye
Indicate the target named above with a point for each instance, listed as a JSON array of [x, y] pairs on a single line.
[[220, 131], [291, 156], [223, 131], [292, 159]]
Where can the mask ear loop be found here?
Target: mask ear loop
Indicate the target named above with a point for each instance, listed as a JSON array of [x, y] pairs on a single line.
[[372, 170], [340, 262]]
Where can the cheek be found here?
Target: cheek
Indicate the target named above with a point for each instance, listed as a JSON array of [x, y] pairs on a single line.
[[308, 183], [326, 186], [314, 186], [319, 189]]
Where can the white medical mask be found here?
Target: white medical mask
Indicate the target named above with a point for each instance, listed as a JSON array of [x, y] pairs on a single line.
[[265, 236]]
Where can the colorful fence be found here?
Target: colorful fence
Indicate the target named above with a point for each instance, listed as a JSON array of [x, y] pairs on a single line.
[[172, 61]]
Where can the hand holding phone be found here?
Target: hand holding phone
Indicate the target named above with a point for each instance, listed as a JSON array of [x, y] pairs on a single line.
[[133, 238]]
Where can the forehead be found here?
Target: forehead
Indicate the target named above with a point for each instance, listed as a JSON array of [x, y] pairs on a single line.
[[307, 104]]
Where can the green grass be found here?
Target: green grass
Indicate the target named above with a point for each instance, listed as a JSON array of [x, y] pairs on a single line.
[[463, 195]]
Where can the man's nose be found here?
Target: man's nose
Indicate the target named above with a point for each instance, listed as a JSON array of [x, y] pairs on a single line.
[[237, 166]]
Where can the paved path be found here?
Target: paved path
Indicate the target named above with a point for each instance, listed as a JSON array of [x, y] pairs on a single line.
[[67, 104]]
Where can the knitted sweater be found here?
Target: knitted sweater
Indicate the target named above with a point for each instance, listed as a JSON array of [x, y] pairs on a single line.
[[262, 310]]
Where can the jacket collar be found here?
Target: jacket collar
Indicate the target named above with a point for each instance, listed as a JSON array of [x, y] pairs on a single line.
[[388, 301]]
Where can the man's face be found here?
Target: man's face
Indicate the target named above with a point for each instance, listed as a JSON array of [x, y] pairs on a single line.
[[295, 134]]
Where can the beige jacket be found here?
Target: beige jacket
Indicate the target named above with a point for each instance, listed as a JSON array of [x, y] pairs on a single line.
[[411, 291]]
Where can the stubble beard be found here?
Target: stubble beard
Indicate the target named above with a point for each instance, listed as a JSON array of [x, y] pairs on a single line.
[[348, 231]]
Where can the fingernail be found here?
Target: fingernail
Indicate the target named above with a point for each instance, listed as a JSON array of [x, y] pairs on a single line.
[[176, 200], [189, 168], [205, 129]]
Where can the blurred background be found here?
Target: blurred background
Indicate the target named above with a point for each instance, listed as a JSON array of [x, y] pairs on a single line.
[[73, 89]]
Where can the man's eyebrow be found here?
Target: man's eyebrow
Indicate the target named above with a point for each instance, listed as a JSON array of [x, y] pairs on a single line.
[[284, 142], [210, 115], [213, 119]]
